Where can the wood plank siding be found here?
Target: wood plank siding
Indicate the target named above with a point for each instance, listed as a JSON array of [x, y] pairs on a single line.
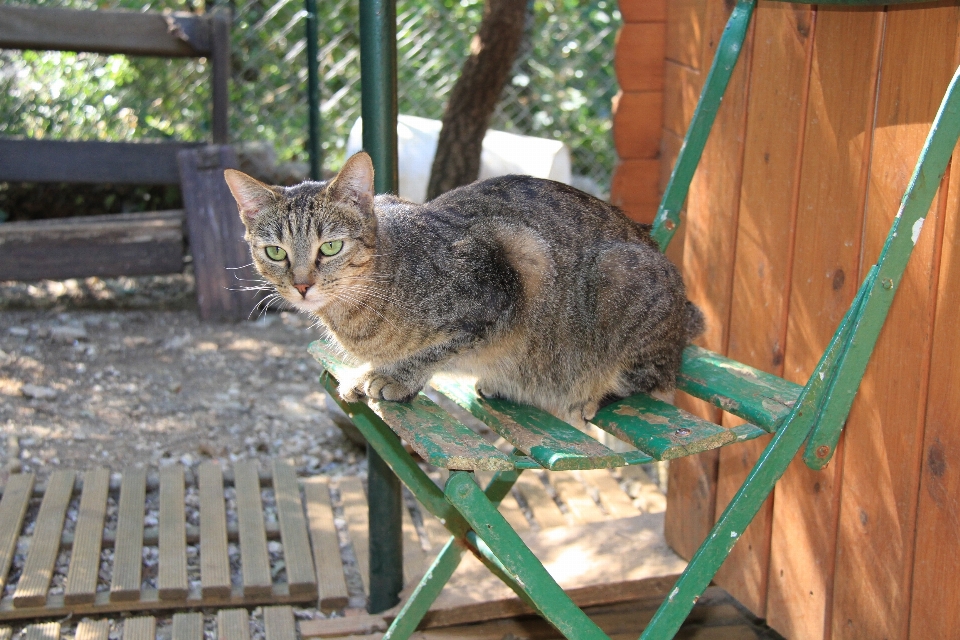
[[812, 149]]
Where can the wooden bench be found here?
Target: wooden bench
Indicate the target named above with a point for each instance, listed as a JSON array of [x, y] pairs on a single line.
[[130, 244]]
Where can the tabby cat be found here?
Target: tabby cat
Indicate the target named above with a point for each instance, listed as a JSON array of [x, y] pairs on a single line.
[[548, 296]]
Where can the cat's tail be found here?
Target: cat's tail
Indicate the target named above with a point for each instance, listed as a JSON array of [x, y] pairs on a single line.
[[694, 321]]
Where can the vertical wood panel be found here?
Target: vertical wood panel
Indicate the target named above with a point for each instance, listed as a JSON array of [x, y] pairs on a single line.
[[708, 255], [685, 29], [45, 542], [84, 569], [691, 486], [128, 551], [214, 557], [681, 89], [766, 220], [884, 434], [172, 574], [825, 278], [936, 574]]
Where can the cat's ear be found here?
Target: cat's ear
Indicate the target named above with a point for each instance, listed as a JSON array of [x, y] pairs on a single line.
[[354, 183], [252, 196]]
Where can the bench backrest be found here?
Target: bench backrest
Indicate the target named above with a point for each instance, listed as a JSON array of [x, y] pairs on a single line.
[[173, 35]]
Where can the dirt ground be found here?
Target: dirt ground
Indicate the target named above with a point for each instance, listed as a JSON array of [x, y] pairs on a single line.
[[122, 373]]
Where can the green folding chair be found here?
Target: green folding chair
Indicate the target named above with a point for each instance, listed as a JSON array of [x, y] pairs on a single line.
[[813, 414]]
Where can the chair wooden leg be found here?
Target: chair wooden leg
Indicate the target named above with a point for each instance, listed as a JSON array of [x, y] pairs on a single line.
[[426, 592], [739, 513], [515, 560], [445, 564]]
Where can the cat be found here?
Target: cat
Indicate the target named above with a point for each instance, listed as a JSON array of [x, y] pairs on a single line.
[[547, 295]]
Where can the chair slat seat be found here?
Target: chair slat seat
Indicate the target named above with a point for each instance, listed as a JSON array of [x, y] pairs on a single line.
[[756, 396], [553, 443], [658, 430], [437, 437]]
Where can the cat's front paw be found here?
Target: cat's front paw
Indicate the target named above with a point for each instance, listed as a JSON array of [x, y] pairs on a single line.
[[384, 387], [378, 386]]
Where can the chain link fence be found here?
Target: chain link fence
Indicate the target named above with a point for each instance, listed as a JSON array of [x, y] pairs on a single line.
[[561, 86]]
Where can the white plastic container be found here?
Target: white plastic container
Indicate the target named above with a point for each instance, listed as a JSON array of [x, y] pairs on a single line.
[[503, 153]]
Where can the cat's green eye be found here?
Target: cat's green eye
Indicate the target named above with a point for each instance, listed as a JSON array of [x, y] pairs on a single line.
[[275, 253], [331, 248]]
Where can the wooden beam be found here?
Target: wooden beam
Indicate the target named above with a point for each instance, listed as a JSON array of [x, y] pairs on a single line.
[[102, 162], [220, 57], [216, 235], [105, 31], [111, 245]]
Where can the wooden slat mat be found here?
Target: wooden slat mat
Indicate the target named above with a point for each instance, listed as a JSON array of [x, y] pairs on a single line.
[[276, 622], [220, 537], [135, 544]]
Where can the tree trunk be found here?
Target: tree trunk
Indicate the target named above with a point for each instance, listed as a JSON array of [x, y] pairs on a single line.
[[475, 95]]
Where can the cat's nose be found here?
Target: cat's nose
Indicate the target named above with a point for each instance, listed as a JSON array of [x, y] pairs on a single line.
[[302, 288]]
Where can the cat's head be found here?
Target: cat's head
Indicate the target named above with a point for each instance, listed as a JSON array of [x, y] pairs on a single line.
[[313, 241]]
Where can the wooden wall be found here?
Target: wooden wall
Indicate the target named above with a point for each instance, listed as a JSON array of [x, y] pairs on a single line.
[[638, 107], [812, 149]]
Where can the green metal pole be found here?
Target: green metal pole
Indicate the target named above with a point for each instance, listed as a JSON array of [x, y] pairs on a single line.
[[378, 86], [386, 540], [313, 90]]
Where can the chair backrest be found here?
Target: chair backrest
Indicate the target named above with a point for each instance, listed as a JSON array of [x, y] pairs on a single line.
[[843, 364]]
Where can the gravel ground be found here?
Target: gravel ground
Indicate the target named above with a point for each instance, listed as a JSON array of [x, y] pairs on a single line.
[[121, 373], [147, 383]]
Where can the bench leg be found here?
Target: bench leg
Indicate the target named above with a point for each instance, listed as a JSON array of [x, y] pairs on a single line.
[[516, 562]]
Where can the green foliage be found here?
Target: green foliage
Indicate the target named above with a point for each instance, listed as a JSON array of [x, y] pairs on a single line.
[[563, 83], [560, 88], [64, 95]]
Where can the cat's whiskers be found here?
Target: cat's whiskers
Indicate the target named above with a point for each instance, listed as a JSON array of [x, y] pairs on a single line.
[[257, 306], [260, 288], [279, 299], [265, 303]]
